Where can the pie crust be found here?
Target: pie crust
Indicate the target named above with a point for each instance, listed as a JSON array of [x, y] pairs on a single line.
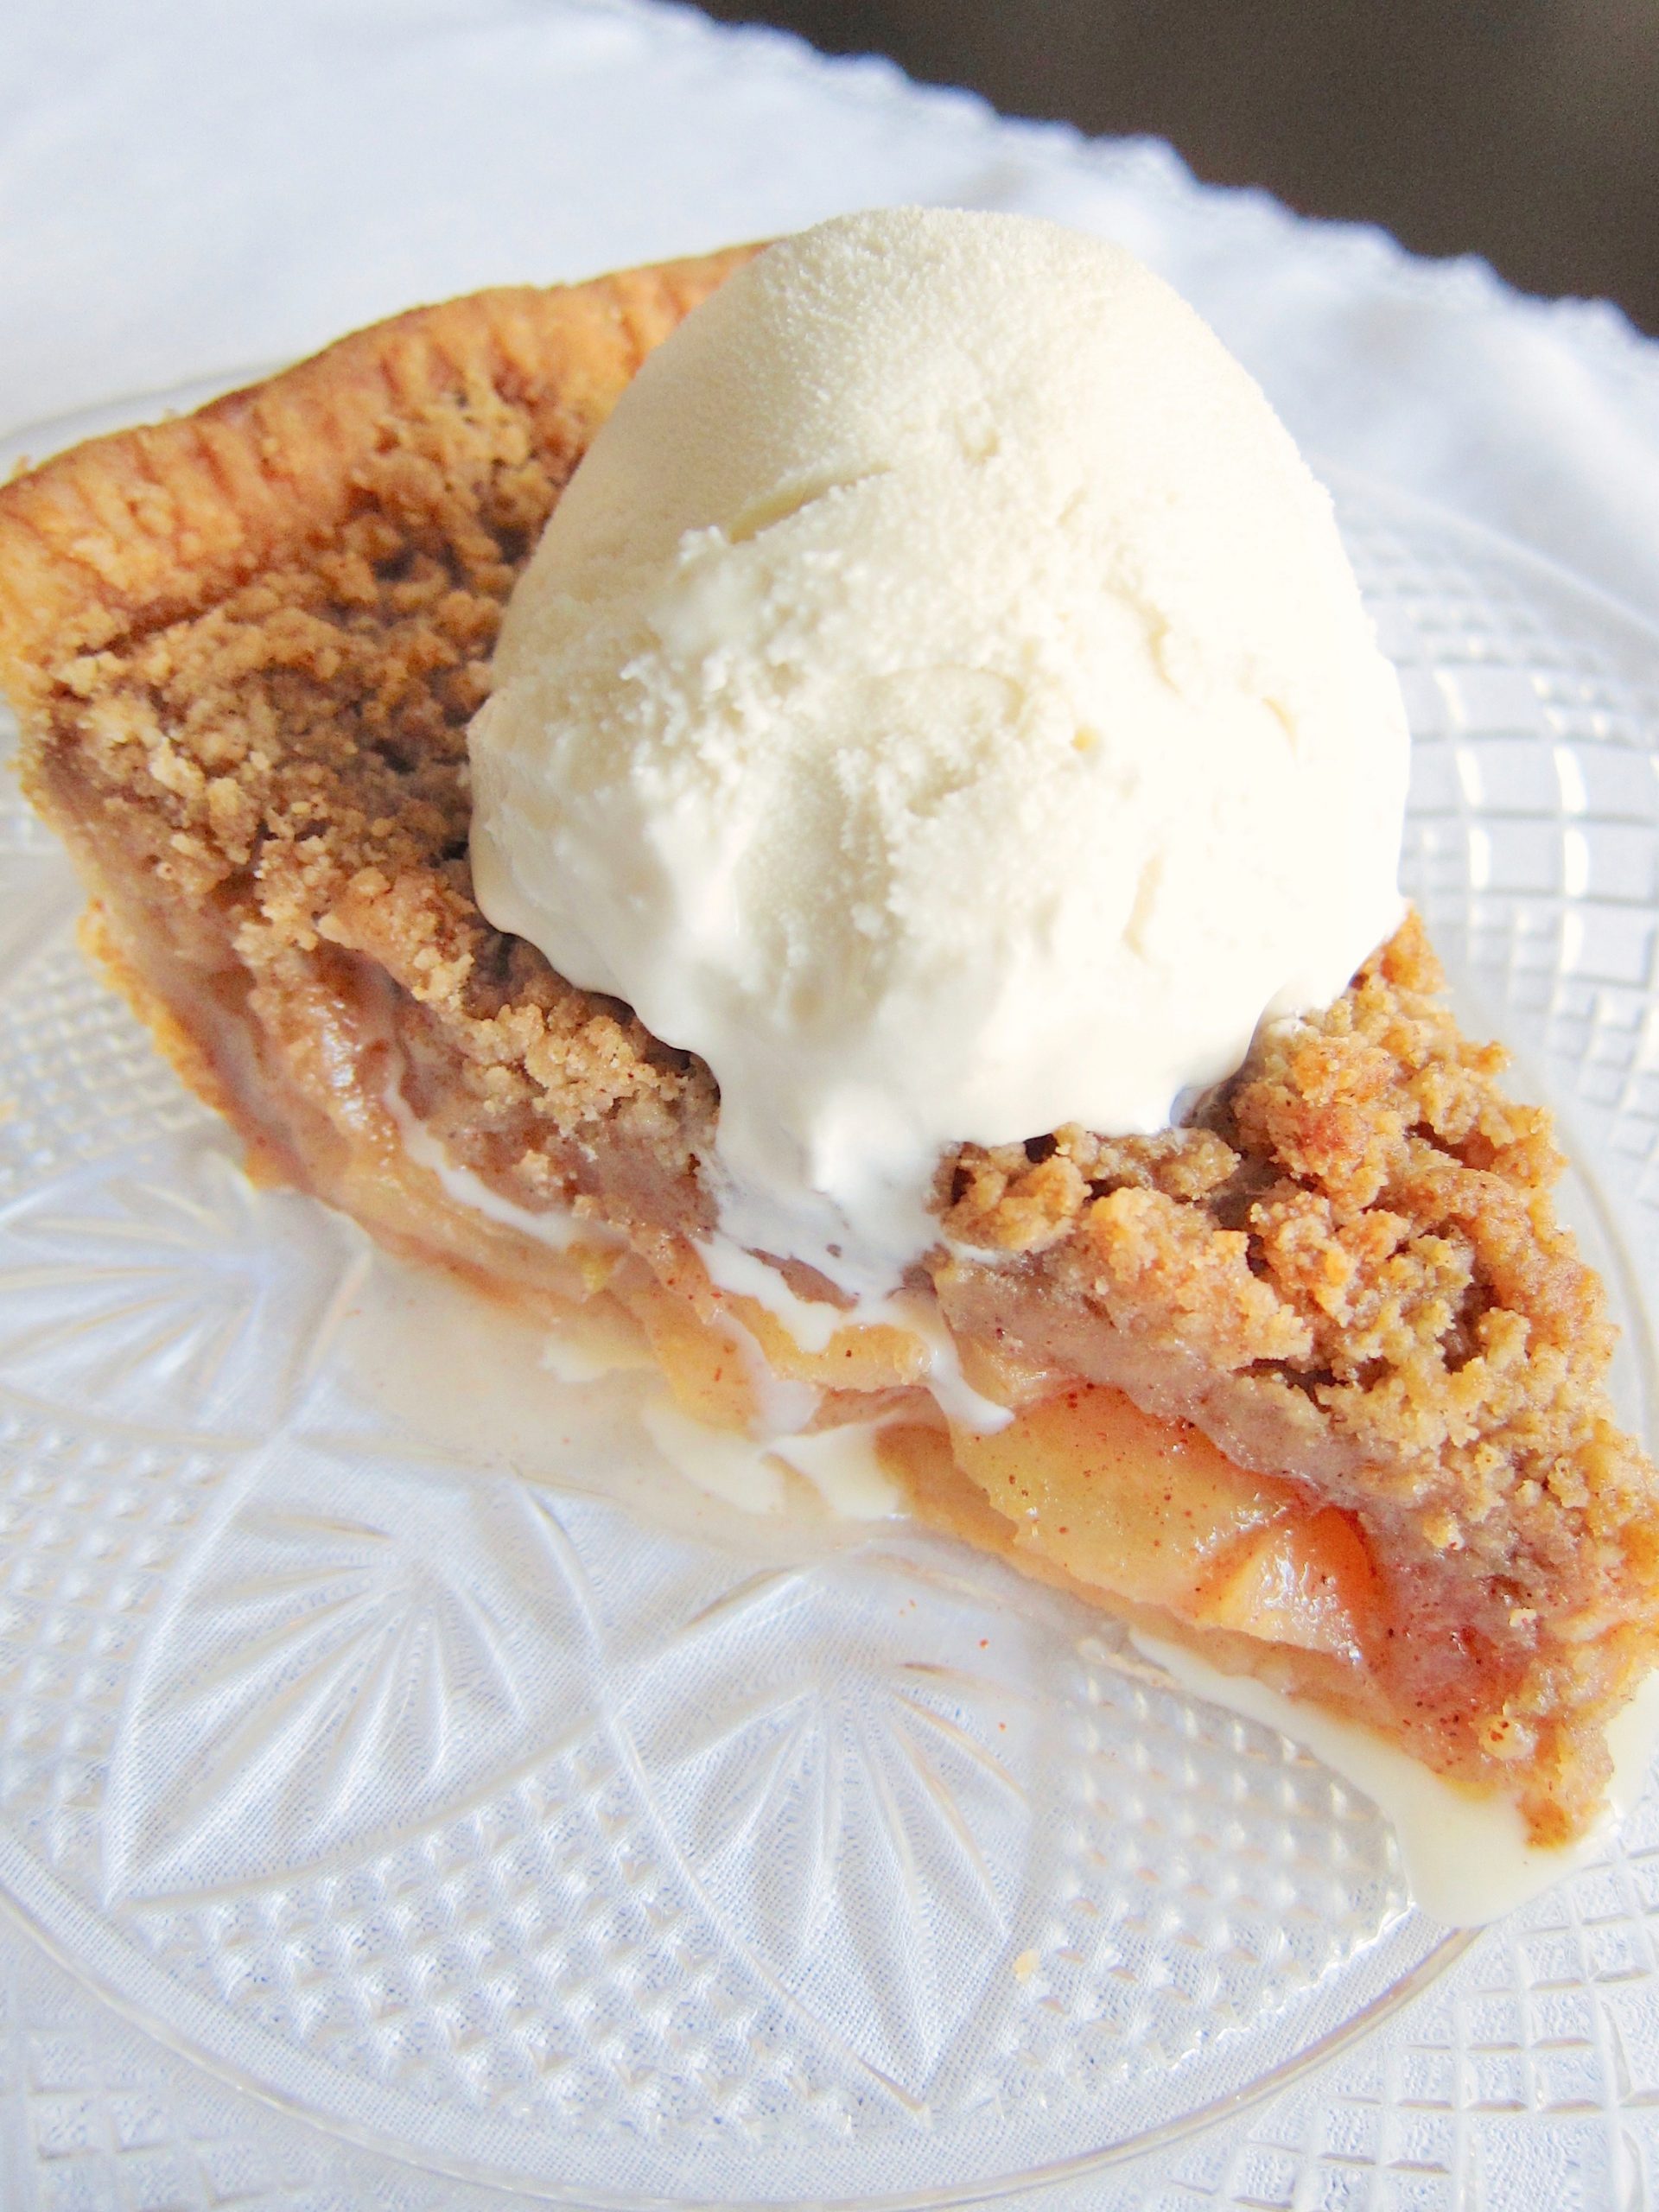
[[1315, 1381]]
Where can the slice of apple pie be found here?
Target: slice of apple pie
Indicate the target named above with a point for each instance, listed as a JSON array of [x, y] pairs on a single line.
[[1312, 1382]]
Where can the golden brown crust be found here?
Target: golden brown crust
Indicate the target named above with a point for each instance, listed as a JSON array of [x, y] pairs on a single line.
[[245, 648], [132, 531]]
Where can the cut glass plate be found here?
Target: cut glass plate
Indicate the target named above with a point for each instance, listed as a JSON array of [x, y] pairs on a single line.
[[387, 1738]]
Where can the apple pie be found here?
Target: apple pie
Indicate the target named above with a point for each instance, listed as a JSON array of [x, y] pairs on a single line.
[[1314, 1382]]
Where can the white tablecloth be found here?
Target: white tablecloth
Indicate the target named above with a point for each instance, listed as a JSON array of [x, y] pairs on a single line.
[[191, 187]]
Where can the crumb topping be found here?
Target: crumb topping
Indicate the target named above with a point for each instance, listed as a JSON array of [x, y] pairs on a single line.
[[1362, 1208], [1357, 1235], [292, 755]]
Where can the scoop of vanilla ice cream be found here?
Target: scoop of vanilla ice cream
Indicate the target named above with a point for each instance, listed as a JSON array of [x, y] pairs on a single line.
[[940, 699]]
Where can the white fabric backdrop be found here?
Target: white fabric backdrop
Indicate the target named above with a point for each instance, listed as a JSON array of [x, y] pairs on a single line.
[[192, 187]]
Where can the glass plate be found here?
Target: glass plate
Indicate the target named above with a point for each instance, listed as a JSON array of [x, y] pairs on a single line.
[[411, 1752]]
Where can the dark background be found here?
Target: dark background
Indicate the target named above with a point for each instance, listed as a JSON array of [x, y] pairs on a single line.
[[1527, 131]]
